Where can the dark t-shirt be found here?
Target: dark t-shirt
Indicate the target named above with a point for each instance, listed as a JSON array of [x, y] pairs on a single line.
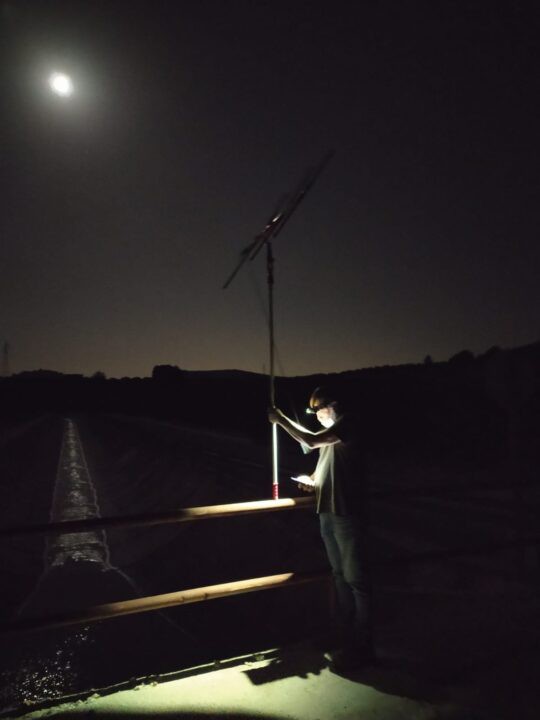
[[340, 471]]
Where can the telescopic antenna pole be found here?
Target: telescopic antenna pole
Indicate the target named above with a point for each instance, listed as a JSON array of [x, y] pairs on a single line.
[[270, 279], [272, 229]]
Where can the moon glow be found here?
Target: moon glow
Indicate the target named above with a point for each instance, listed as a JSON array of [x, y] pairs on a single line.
[[61, 84]]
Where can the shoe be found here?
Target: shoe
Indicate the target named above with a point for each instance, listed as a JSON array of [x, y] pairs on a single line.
[[346, 659]]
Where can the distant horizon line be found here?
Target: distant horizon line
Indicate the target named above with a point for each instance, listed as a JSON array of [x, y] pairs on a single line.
[[99, 374]]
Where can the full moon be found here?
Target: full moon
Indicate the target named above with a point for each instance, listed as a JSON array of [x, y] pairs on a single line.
[[61, 84]]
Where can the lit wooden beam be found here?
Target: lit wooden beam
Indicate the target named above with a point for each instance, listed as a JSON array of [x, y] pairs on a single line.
[[172, 516], [159, 602]]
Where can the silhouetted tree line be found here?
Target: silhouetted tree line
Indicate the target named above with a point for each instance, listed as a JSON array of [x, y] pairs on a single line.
[[468, 408]]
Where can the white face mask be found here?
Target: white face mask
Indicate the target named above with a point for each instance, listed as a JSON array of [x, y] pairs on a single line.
[[327, 422]]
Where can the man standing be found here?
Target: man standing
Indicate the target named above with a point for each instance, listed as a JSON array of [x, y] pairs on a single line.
[[340, 495]]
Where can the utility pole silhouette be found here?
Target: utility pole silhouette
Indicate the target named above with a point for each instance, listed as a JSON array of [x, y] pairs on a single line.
[[5, 361]]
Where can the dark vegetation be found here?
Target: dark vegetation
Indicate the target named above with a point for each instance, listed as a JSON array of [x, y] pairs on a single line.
[[467, 409]]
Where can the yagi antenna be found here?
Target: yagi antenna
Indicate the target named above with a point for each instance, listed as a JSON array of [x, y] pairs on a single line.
[[273, 227]]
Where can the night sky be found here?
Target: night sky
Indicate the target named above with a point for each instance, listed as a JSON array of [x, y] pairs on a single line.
[[126, 205]]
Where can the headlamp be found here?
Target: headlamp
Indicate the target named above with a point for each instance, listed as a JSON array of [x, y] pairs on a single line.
[[313, 410]]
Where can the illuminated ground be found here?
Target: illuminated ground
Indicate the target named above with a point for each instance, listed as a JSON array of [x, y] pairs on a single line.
[[269, 685], [442, 656]]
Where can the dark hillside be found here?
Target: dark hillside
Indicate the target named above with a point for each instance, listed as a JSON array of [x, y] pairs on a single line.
[[465, 410]]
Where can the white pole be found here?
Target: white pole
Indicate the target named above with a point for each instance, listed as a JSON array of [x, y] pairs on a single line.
[[270, 273]]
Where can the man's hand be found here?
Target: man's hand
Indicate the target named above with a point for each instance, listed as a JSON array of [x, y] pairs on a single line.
[[274, 415], [306, 486]]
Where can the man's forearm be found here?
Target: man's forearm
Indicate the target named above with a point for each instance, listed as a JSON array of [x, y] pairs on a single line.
[[296, 431]]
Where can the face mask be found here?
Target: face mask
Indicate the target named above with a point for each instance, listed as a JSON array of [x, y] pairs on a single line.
[[327, 422]]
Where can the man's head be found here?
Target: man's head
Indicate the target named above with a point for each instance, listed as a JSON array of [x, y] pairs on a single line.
[[324, 403]]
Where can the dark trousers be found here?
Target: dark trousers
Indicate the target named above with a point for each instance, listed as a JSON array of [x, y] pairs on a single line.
[[346, 546]]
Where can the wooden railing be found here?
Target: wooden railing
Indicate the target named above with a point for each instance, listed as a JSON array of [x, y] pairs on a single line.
[[158, 602], [204, 512]]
